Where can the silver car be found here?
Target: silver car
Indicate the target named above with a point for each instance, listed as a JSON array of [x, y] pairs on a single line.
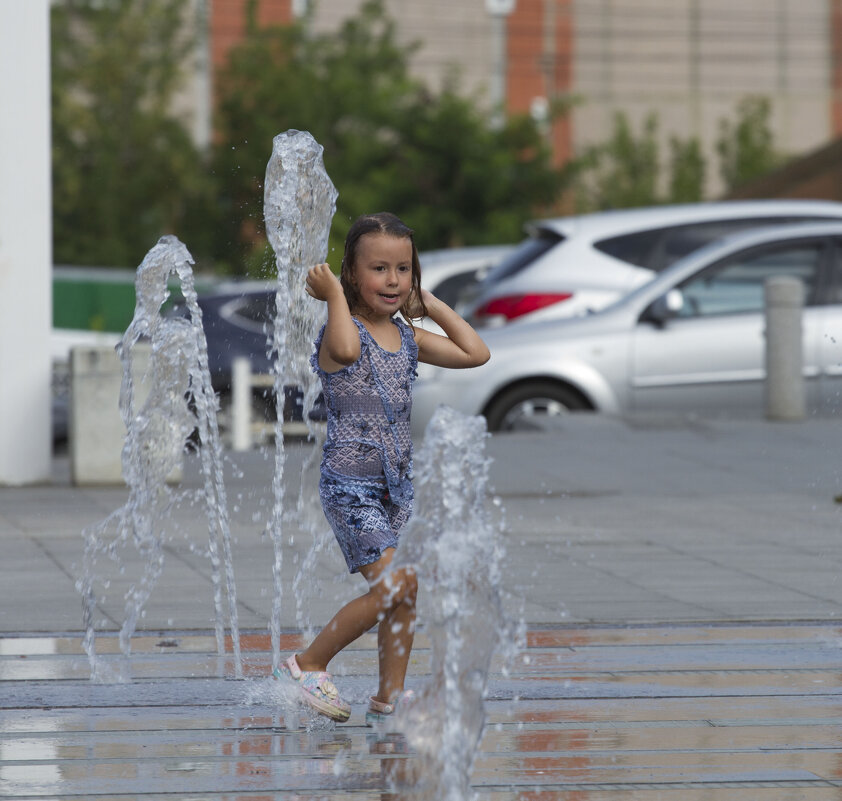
[[570, 266], [691, 340]]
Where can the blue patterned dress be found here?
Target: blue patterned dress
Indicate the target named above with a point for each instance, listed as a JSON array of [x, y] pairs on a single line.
[[366, 471]]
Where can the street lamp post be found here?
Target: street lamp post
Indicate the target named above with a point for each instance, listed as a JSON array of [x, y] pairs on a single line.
[[499, 11]]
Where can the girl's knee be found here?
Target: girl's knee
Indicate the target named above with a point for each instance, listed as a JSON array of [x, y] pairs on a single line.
[[400, 586], [410, 586]]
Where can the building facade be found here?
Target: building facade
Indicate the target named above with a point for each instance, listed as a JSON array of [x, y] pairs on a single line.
[[688, 62]]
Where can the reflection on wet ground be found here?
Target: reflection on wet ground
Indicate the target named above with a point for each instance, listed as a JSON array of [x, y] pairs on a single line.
[[642, 713]]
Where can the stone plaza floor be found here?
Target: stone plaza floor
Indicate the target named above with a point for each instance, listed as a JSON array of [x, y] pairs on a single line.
[[679, 582], [589, 713]]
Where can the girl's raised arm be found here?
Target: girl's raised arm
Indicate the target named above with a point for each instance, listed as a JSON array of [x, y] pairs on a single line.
[[341, 340], [462, 347]]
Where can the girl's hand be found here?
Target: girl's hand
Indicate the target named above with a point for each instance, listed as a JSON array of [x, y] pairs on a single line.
[[321, 283], [460, 347], [415, 307]]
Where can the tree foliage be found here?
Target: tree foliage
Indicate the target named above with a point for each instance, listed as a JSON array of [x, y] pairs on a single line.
[[434, 160], [746, 146], [623, 171], [627, 169], [124, 169], [687, 171]]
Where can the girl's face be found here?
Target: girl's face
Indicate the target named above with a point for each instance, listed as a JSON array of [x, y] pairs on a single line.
[[382, 272]]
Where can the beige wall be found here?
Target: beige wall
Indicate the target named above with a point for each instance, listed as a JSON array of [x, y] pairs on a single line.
[[691, 61], [452, 32]]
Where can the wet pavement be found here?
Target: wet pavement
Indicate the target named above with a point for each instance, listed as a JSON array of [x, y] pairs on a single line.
[[649, 712], [680, 582]]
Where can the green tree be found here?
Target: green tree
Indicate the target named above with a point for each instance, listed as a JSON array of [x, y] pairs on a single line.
[[623, 171], [389, 144], [124, 169], [687, 171], [627, 171], [746, 146]]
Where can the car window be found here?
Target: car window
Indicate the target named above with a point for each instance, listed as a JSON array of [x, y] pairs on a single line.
[[452, 287], [736, 285], [524, 254], [636, 248], [684, 239], [657, 249]]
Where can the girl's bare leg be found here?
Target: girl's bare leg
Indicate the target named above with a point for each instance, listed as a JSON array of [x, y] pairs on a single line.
[[380, 603], [395, 635]]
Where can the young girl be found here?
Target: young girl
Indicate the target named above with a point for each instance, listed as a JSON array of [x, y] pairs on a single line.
[[366, 359]]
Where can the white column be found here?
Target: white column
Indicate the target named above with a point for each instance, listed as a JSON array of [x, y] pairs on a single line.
[[241, 404], [25, 241]]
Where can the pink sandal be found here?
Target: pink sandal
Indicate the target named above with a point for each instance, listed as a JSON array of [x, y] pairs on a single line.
[[379, 712], [317, 689]]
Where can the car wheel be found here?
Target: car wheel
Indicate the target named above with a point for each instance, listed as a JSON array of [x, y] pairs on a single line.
[[528, 407]]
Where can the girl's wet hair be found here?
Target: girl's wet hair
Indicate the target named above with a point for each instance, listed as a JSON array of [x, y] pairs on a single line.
[[381, 223]]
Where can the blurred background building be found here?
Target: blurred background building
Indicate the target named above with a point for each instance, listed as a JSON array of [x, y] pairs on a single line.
[[482, 115], [688, 62], [641, 102]]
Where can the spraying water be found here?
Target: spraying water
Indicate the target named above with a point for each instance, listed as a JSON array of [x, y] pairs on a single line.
[[299, 202], [457, 552], [157, 432], [453, 545]]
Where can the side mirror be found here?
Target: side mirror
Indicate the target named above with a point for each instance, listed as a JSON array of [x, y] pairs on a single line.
[[664, 307]]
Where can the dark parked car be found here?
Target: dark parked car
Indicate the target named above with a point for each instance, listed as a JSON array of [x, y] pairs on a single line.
[[238, 319]]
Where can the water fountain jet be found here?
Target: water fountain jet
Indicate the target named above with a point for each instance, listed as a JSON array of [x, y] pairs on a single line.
[[180, 400], [456, 549], [299, 201]]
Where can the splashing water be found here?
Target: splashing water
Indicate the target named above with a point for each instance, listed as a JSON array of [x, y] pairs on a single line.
[[157, 433], [299, 202], [452, 543], [457, 553]]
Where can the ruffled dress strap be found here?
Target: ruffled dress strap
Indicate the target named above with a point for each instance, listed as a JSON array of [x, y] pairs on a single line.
[[408, 341], [317, 346]]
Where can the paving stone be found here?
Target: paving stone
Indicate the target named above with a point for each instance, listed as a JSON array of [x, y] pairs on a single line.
[[680, 581], [684, 712]]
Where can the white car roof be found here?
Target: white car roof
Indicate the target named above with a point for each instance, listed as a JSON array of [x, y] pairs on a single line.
[[474, 253], [620, 221]]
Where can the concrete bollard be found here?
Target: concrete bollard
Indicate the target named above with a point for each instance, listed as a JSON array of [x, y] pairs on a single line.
[[241, 404], [95, 428], [785, 391], [96, 431]]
